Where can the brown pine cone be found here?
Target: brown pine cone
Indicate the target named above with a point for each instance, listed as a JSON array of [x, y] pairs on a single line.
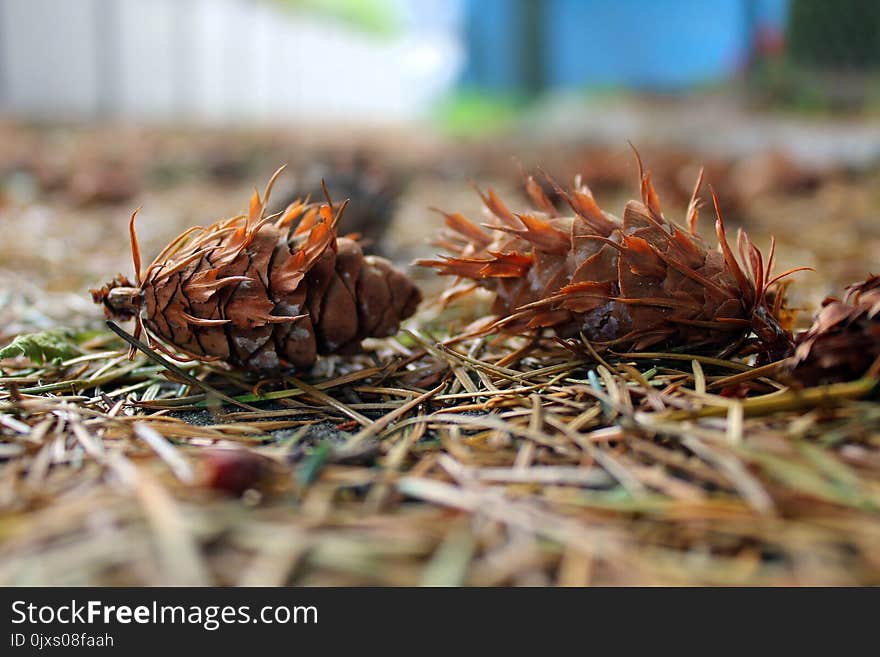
[[844, 340], [634, 283], [262, 292], [372, 189]]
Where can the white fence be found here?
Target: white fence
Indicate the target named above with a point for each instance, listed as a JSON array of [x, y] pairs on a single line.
[[215, 60]]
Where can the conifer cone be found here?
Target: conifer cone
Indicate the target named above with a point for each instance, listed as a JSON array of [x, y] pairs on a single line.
[[372, 189], [844, 340], [641, 282], [263, 292]]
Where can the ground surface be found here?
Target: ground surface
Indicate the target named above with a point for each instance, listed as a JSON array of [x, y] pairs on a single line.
[[426, 460]]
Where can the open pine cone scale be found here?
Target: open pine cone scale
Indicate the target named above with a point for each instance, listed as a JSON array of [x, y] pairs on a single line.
[[262, 292], [634, 283], [844, 341]]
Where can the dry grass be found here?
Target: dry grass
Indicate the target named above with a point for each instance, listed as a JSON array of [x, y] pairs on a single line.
[[481, 461]]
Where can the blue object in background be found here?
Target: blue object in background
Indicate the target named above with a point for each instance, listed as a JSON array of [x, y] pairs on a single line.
[[493, 29], [641, 44]]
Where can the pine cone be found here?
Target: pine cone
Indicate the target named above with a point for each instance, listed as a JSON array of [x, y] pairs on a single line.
[[263, 292], [633, 284], [844, 340], [372, 190]]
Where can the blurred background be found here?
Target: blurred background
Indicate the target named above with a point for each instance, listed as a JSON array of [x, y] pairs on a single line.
[[182, 106]]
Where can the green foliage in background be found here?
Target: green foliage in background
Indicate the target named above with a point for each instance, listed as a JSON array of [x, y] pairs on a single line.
[[831, 61], [376, 17], [471, 113], [844, 34], [42, 347]]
